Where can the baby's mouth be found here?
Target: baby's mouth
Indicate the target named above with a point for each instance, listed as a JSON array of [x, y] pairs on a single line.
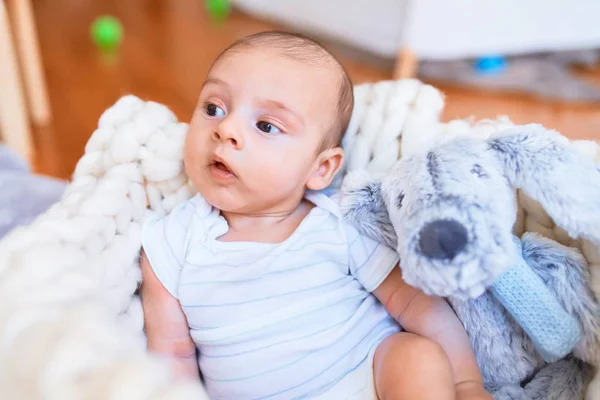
[[219, 165], [220, 170]]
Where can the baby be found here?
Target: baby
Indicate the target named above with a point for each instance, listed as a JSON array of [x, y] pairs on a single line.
[[257, 279]]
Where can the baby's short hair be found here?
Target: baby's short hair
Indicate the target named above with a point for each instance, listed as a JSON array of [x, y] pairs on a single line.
[[305, 49]]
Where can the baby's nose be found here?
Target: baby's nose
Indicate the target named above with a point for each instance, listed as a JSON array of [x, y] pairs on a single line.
[[228, 135], [442, 239]]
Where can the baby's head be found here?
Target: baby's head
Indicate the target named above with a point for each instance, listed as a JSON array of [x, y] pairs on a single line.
[[268, 124]]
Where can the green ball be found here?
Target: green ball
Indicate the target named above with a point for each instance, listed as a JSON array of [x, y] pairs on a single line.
[[218, 10], [107, 32]]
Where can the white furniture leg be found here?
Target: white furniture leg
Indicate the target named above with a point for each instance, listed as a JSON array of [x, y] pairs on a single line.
[[31, 62], [14, 124]]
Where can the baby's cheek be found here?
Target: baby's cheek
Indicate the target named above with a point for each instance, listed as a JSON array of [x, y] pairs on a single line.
[[290, 173], [191, 157], [188, 155], [269, 171]]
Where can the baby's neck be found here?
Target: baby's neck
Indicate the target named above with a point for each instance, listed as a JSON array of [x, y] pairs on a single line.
[[268, 227]]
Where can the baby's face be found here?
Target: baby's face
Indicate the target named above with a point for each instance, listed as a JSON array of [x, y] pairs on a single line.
[[257, 129]]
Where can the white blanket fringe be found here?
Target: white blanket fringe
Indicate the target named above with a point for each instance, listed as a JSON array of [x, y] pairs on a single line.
[[70, 324]]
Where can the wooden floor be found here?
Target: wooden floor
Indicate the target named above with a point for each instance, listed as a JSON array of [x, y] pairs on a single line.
[[167, 49]]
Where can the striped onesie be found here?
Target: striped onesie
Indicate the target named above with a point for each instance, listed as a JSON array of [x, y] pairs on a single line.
[[290, 320]]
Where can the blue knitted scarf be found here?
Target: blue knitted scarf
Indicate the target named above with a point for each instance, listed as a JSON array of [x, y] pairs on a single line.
[[535, 308]]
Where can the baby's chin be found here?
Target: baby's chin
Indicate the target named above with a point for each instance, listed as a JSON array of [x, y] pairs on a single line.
[[222, 198]]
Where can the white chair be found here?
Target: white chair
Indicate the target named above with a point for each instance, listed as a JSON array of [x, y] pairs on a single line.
[[413, 30]]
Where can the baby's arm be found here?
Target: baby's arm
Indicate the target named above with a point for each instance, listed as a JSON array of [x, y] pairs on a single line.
[[166, 327], [432, 317]]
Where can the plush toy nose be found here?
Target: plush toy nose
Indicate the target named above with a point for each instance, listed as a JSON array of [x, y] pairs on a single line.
[[443, 239]]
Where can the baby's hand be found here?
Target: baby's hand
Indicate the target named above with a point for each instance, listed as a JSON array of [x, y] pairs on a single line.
[[186, 368], [472, 390]]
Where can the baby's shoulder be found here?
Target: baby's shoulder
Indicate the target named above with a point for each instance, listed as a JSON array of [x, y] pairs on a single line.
[[337, 224], [350, 238], [185, 216]]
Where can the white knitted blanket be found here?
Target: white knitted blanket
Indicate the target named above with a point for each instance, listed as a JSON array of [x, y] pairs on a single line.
[[70, 324], [70, 327]]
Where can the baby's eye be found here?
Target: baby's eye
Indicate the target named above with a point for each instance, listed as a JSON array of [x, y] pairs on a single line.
[[267, 127], [212, 110]]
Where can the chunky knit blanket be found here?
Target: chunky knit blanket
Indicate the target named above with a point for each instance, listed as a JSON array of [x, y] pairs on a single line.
[[71, 325]]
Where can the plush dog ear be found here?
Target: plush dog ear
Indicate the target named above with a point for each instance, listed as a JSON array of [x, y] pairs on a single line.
[[548, 168], [363, 206]]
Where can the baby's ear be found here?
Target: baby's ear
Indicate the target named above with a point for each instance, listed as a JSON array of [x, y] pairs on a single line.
[[327, 165], [363, 206]]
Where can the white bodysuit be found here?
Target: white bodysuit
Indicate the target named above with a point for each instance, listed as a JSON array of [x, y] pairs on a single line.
[[291, 320]]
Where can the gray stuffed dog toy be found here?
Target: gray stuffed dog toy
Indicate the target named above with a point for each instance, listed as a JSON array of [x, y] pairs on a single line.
[[450, 212]]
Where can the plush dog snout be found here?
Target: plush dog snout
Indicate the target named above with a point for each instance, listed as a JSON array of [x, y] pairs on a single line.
[[442, 239]]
